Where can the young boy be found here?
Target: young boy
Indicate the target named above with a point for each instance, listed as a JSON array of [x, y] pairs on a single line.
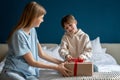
[[75, 43]]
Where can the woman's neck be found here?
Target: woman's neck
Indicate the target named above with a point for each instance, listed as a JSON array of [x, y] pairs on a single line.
[[26, 30]]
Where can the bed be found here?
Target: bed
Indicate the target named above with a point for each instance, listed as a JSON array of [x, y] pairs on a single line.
[[105, 56]]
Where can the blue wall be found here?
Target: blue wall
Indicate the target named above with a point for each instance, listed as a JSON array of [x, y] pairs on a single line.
[[95, 17]]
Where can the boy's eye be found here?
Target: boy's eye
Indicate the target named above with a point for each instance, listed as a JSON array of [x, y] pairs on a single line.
[[70, 25], [66, 27]]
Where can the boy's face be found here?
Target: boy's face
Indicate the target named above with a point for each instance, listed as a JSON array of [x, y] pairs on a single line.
[[70, 27]]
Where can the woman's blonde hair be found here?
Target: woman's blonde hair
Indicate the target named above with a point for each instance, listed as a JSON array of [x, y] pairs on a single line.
[[31, 11]]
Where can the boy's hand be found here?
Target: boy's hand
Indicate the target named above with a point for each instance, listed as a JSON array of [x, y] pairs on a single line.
[[81, 58], [68, 57]]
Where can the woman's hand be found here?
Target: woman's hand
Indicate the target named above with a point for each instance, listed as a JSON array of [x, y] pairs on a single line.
[[64, 71]]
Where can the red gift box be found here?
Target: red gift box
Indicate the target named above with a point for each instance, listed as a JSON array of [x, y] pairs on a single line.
[[79, 67]]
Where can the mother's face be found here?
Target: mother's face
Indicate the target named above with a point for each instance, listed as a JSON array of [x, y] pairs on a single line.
[[38, 21]]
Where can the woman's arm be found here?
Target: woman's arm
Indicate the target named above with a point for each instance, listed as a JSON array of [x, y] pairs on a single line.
[[31, 61]]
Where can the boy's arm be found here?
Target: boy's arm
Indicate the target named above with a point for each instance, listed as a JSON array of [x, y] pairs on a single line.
[[87, 51], [63, 51]]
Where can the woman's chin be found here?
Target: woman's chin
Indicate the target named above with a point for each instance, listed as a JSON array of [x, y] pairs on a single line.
[[37, 26]]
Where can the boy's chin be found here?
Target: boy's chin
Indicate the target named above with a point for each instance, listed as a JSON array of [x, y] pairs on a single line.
[[73, 32]]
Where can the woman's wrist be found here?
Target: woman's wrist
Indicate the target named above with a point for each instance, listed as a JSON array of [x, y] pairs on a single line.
[[56, 67]]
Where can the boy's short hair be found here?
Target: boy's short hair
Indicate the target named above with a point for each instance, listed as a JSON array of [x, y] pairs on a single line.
[[68, 19]]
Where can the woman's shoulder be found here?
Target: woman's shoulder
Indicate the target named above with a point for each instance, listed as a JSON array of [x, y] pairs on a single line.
[[18, 32]]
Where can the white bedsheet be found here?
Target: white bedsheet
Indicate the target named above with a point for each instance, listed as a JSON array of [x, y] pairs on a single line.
[[109, 68], [49, 74]]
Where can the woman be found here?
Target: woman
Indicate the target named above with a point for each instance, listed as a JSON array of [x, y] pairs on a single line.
[[24, 48]]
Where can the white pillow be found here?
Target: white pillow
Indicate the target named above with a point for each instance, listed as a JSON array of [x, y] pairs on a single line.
[[104, 50], [55, 53], [96, 46], [52, 52], [104, 59]]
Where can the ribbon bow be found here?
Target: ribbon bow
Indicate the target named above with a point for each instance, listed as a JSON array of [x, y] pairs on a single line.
[[76, 60]]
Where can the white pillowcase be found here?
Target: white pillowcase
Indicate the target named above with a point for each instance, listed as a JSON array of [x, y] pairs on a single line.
[[96, 46], [104, 50], [99, 54], [104, 59], [52, 52]]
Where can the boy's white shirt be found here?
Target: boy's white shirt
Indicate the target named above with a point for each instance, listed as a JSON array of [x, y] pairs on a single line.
[[77, 45]]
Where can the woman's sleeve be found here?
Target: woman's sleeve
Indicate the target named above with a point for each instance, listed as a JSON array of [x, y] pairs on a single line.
[[20, 46]]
